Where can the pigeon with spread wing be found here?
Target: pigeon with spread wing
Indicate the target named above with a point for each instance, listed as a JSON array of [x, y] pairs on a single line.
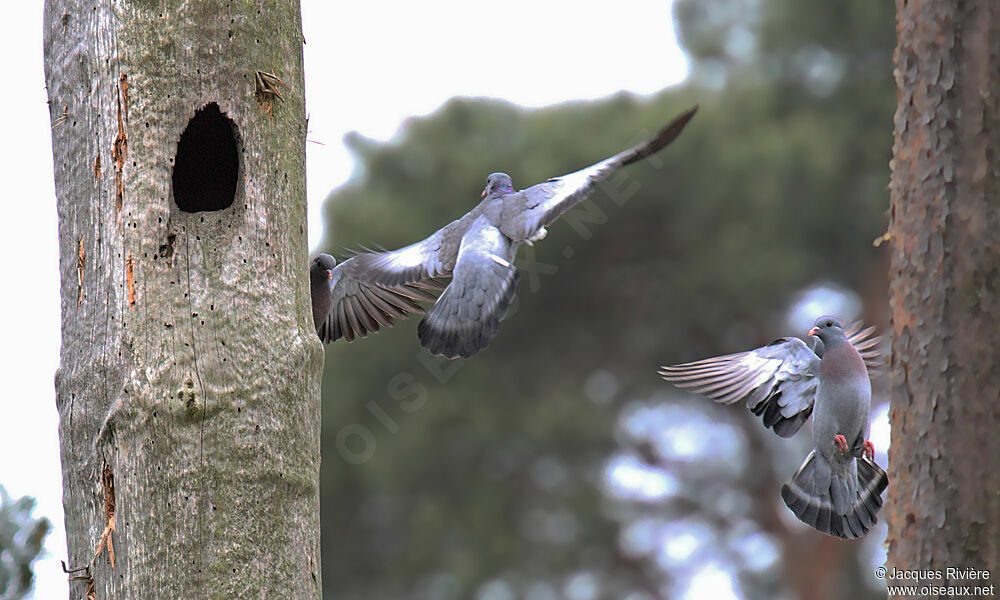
[[838, 489], [371, 289]]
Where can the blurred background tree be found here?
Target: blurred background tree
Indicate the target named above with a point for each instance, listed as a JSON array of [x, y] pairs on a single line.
[[555, 464], [21, 537]]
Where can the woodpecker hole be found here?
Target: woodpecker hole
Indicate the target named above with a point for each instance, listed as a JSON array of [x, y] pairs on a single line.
[[207, 165]]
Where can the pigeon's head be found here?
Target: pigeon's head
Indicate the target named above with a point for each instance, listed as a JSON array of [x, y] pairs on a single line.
[[322, 266], [498, 183], [827, 329]]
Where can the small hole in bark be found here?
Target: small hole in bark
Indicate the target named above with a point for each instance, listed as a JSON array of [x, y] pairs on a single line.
[[207, 163]]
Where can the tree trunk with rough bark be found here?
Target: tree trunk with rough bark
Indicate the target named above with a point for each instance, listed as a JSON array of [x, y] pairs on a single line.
[[188, 389], [943, 503]]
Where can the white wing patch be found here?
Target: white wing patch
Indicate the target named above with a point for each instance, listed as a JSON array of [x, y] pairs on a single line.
[[500, 261], [421, 255]]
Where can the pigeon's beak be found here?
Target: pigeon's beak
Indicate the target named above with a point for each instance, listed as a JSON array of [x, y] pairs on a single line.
[[814, 331], [329, 274], [483, 195]]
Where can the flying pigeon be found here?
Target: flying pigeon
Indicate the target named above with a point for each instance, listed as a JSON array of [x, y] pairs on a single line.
[[369, 290], [838, 489]]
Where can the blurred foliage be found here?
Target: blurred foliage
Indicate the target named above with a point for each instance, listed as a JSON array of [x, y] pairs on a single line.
[[489, 477], [21, 538]]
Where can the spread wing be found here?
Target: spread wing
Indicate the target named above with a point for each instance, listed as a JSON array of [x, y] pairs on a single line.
[[778, 382], [372, 289], [540, 205], [466, 316]]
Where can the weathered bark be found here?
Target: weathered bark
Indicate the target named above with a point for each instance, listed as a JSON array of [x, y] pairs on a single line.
[[944, 492], [190, 372]]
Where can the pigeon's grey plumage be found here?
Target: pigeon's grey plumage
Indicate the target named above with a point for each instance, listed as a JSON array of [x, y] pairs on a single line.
[[838, 488], [367, 291], [320, 274], [348, 305]]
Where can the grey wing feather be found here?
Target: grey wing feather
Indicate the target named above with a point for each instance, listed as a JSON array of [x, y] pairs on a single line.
[[527, 211], [466, 316], [867, 344], [417, 262], [778, 382], [372, 289]]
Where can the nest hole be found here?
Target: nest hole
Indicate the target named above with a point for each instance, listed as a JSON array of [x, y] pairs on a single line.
[[207, 164]]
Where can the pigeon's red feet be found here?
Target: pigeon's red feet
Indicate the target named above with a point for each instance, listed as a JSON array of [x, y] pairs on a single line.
[[841, 443], [868, 449]]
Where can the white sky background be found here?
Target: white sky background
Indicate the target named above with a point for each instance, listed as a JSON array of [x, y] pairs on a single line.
[[368, 68], [408, 60]]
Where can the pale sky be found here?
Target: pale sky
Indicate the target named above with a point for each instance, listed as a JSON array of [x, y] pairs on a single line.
[[409, 60], [368, 68]]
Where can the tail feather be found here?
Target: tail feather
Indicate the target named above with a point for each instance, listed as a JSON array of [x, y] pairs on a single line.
[[841, 492], [466, 316], [854, 524], [872, 481], [839, 504]]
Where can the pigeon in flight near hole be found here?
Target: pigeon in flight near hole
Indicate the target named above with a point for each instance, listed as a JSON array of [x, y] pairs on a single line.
[[838, 489], [369, 290]]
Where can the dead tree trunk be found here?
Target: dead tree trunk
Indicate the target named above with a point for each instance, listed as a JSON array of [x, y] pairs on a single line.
[[944, 491], [188, 389]]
